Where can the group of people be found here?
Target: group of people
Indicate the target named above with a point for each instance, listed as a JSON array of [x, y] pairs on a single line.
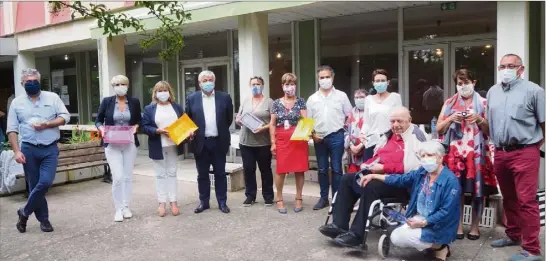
[[484, 141]]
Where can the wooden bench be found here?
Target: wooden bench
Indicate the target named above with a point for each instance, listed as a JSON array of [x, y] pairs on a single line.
[[79, 156], [235, 177]]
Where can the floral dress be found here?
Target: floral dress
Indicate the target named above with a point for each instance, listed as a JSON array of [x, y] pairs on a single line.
[[470, 155]]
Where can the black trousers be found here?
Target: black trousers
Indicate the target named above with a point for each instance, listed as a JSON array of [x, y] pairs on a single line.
[[349, 192], [262, 156], [211, 155]]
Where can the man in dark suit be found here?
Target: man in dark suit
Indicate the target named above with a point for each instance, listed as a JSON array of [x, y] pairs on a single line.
[[212, 112]]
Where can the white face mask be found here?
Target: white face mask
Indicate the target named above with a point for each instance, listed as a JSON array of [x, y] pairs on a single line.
[[325, 83], [162, 96], [120, 90], [508, 75], [359, 103], [429, 164], [465, 90]]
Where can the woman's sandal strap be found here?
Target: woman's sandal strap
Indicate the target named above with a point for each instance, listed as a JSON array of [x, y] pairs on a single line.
[[299, 199]]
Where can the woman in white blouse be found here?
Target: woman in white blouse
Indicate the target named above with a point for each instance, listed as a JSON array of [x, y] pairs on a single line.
[[377, 110], [161, 113]]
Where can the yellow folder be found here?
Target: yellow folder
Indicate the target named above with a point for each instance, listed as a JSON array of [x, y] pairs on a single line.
[[303, 129], [181, 129]]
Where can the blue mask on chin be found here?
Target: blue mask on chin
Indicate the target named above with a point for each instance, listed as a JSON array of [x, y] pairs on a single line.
[[32, 87]]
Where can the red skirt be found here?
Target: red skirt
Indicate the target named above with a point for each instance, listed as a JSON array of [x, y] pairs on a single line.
[[292, 156]]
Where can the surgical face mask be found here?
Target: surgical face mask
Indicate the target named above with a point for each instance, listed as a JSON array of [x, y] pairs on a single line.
[[380, 87], [120, 90], [429, 164], [465, 90], [508, 75], [257, 89], [162, 96], [207, 86], [359, 103], [325, 83], [32, 87], [290, 90]]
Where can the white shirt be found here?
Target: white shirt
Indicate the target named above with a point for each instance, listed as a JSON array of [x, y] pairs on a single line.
[[328, 111], [209, 109], [164, 117], [377, 116]]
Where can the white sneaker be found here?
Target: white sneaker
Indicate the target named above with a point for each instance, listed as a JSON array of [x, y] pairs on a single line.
[[127, 213], [119, 216]]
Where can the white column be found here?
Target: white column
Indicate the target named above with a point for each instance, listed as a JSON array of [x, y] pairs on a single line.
[[513, 31], [253, 51], [23, 60], [111, 62]]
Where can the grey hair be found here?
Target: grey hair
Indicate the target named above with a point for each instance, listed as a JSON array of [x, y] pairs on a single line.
[[399, 109], [30, 72], [432, 147], [326, 68], [206, 73], [520, 61]]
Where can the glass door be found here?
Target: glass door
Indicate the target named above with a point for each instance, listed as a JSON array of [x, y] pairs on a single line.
[[478, 57], [426, 80], [190, 84]]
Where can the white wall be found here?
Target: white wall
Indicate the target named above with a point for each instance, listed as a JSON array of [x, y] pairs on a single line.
[[513, 31]]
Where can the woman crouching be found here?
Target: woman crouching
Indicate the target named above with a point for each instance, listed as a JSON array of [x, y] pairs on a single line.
[[433, 211]]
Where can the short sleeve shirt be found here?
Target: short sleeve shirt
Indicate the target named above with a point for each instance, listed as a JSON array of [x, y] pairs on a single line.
[[292, 115], [515, 112]]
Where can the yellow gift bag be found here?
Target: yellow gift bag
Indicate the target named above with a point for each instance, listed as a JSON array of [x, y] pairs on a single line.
[[303, 129], [181, 129]]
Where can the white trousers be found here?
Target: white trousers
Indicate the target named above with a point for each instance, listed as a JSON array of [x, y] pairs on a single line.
[[121, 158], [165, 175], [407, 237]]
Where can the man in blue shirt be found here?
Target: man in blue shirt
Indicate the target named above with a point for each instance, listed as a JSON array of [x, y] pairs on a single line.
[[36, 118]]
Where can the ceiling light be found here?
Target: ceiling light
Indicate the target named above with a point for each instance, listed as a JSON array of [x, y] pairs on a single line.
[[66, 57], [358, 61], [488, 46], [439, 52], [152, 76], [279, 55]]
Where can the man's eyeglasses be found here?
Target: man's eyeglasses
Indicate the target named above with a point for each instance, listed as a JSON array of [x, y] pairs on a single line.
[[509, 66]]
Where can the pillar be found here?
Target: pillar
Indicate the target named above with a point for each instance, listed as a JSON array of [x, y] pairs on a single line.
[[307, 60], [513, 31], [111, 62], [22, 61], [253, 51]]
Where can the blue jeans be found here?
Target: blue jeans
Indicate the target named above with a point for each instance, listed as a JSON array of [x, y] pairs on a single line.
[[330, 152], [40, 169]]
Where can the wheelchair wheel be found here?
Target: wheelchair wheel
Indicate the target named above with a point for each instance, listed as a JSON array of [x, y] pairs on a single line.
[[384, 245]]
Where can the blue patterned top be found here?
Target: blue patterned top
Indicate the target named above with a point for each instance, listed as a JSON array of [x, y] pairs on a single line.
[[293, 115]]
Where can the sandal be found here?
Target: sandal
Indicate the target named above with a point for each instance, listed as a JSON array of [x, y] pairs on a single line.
[[161, 210], [174, 209], [460, 236], [440, 249], [473, 237], [297, 210], [281, 210]]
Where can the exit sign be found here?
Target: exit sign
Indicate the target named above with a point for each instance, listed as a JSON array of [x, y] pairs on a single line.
[[449, 6]]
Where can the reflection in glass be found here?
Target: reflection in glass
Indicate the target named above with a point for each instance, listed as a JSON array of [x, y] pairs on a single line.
[[425, 77], [221, 74], [64, 81], [95, 83], [480, 60], [191, 80]]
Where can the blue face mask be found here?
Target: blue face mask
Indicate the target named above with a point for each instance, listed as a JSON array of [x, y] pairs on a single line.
[[380, 87], [208, 86], [32, 87], [257, 89]]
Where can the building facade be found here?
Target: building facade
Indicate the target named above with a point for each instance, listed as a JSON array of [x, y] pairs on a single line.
[[419, 43]]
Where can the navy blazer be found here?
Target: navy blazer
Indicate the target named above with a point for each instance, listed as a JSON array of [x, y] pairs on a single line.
[[155, 148], [105, 116], [224, 118]]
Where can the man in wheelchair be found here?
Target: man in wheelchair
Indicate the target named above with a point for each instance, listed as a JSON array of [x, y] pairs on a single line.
[[396, 153]]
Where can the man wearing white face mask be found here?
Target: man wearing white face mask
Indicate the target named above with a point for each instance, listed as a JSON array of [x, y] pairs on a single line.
[[329, 107], [120, 110], [516, 124]]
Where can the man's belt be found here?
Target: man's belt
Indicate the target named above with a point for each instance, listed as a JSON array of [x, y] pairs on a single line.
[[40, 145], [509, 148]]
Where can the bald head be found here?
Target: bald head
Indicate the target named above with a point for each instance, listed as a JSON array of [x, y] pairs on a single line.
[[400, 118]]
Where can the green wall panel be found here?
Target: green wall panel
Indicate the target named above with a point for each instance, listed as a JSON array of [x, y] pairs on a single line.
[[307, 59]]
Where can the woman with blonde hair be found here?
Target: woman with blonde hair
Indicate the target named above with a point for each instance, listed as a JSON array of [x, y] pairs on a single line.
[[120, 109], [161, 113], [292, 156]]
